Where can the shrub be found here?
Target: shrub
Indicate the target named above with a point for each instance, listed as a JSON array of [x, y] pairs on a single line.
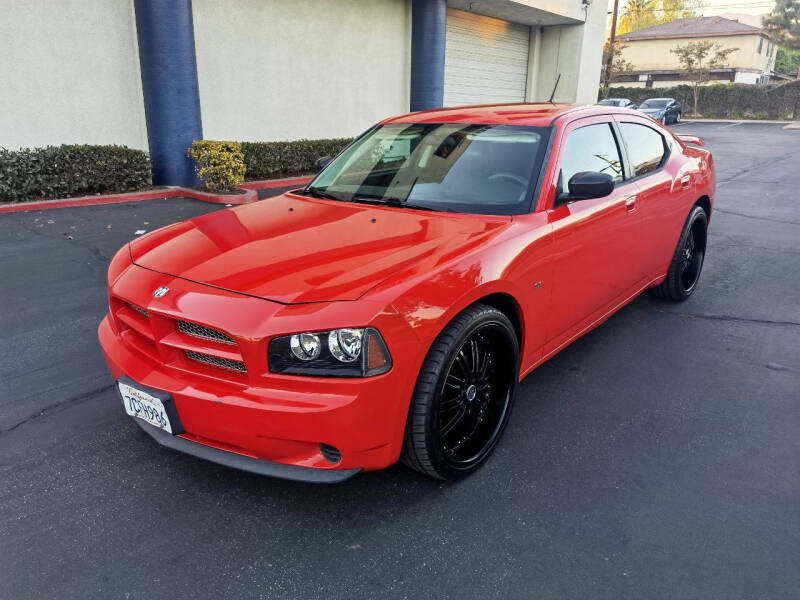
[[723, 100], [219, 164], [71, 170], [267, 160]]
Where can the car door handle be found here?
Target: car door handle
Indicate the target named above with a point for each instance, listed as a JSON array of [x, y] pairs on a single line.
[[631, 203], [686, 181]]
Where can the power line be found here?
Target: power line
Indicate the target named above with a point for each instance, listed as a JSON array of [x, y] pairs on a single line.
[[756, 5]]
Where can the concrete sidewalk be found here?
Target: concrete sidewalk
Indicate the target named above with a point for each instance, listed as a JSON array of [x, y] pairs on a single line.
[[788, 124]]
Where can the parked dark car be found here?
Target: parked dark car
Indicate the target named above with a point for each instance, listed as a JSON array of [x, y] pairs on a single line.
[[666, 110], [620, 102]]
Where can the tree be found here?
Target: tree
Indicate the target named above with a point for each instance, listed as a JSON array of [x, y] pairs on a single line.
[[639, 14], [672, 10], [787, 61], [697, 59], [783, 24], [613, 65]]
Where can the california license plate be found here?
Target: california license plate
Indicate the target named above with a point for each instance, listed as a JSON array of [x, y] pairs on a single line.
[[144, 406]]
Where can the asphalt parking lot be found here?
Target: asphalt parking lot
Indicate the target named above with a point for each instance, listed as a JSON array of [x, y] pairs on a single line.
[[657, 457]]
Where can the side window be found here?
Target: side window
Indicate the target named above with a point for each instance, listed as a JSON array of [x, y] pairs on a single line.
[[591, 148], [645, 147]]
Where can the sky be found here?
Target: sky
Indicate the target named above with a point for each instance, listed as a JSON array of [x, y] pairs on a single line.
[[720, 7]]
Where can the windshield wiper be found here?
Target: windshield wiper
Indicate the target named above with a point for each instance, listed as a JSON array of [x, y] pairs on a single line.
[[395, 201], [320, 193]]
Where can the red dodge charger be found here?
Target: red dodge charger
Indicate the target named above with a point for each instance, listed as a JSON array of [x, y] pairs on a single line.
[[388, 309]]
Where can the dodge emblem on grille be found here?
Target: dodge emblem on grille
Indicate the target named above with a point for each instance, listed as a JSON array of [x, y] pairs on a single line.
[[160, 291]]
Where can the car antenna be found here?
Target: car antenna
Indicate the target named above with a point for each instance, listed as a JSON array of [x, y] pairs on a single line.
[[554, 88]]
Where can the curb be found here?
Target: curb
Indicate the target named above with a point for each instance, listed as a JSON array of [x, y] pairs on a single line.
[[249, 196], [274, 183], [764, 121]]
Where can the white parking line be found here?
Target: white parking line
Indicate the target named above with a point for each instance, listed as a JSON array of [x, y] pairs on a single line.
[[732, 124]]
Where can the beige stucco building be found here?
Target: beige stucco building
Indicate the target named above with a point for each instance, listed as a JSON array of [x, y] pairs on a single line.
[[280, 69], [654, 65]]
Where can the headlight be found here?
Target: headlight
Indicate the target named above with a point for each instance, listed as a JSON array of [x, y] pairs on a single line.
[[347, 352]]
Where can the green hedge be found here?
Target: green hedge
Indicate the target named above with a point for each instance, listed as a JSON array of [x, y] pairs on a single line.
[[727, 100], [71, 170], [269, 160]]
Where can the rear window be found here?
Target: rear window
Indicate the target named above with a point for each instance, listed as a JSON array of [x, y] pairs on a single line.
[[645, 147]]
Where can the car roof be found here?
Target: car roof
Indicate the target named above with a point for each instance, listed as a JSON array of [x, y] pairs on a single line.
[[670, 99], [539, 114]]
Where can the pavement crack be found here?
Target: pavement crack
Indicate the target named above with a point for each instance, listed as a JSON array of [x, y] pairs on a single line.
[[779, 367], [759, 165], [738, 214], [730, 318], [74, 400]]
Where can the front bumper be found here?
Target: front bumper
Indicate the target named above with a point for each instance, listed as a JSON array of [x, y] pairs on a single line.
[[274, 431], [246, 463], [256, 420]]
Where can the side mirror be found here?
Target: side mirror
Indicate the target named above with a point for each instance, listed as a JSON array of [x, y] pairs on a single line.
[[588, 184], [633, 107], [323, 162]]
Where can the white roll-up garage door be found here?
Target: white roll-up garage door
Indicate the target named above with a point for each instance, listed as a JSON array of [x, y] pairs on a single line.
[[486, 60]]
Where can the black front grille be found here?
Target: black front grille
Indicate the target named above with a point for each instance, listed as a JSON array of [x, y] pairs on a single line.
[[216, 361], [140, 310], [204, 333]]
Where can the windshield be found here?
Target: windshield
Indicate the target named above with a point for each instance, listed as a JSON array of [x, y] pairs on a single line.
[[610, 102], [654, 104], [457, 167]]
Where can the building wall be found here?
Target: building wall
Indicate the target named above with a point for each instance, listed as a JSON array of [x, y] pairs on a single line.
[[655, 54], [574, 52], [70, 74], [277, 70], [749, 77], [267, 69]]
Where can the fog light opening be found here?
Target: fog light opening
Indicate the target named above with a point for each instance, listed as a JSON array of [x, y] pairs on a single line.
[[331, 453]]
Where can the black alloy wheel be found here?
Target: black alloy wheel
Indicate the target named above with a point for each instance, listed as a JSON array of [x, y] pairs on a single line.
[[473, 399], [464, 395], [691, 261], [687, 262]]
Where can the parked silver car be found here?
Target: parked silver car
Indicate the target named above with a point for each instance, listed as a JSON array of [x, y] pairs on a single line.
[[621, 102]]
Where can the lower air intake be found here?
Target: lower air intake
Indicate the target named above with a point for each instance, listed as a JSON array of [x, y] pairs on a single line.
[[331, 453], [216, 361]]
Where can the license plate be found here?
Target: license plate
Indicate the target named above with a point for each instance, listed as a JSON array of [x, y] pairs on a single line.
[[144, 406]]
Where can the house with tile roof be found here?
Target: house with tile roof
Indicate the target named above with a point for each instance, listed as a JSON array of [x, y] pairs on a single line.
[[648, 50]]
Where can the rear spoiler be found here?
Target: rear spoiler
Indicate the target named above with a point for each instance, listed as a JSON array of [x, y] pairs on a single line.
[[691, 139]]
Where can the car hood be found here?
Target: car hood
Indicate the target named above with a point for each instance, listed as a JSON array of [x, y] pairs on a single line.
[[293, 249], [652, 111]]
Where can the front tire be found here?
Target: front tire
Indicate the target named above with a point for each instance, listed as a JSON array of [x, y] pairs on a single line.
[[687, 262], [463, 396], [677, 118]]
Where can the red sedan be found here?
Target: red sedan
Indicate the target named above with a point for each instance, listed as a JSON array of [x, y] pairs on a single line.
[[388, 309]]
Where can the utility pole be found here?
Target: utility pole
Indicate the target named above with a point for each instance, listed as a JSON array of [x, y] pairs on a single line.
[[610, 58], [614, 22]]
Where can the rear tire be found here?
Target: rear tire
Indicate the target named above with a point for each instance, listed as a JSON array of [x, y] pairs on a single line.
[[464, 394], [687, 262]]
